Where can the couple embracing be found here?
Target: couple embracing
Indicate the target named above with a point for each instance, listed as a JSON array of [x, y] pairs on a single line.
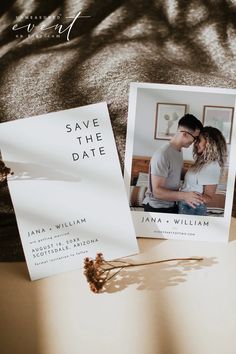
[[164, 193]]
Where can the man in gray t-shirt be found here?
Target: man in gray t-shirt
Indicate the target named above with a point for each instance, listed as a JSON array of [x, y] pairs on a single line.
[[165, 170]]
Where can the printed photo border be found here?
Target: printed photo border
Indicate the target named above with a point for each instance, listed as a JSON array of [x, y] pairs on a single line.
[[143, 101]]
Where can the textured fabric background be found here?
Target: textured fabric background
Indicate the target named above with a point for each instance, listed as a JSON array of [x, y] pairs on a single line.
[[189, 42]]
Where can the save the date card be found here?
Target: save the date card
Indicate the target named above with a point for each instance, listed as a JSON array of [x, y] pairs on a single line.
[[67, 189]]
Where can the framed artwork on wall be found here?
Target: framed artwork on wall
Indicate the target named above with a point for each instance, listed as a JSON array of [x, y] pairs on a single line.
[[167, 117], [220, 118]]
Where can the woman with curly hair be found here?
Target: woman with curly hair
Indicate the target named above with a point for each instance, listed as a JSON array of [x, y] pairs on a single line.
[[209, 153]]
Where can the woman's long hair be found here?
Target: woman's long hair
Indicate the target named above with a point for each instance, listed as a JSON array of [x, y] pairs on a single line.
[[215, 149]]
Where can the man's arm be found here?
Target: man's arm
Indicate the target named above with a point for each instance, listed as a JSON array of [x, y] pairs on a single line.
[[161, 192]]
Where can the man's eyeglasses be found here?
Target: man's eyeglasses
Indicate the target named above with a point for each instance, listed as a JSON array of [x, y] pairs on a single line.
[[195, 138]]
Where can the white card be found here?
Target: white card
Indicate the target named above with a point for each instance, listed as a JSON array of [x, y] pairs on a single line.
[[67, 189], [154, 110]]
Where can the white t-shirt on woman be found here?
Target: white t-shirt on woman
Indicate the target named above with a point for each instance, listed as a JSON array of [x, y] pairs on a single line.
[[209, 174]]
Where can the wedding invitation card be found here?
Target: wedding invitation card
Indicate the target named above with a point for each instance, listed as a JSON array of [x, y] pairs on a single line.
[[167, 164], [67, 189]]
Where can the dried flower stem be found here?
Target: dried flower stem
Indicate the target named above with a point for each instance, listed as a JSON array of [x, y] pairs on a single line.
[[98, 271], [155, 262]]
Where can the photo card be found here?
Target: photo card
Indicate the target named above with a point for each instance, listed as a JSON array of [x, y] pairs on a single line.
[[179, 170]]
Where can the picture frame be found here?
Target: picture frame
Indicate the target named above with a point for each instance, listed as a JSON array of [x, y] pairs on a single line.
[[221, 118], [166, 120]]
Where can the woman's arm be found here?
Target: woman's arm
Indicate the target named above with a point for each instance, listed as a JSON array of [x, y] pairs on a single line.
[[208, 192]]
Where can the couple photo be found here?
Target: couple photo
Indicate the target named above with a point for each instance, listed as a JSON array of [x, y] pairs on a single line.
[[180, 151], [165, 192]]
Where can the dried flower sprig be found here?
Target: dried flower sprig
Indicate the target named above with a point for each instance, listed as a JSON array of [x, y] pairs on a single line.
[[98, 271], [4, 171]]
